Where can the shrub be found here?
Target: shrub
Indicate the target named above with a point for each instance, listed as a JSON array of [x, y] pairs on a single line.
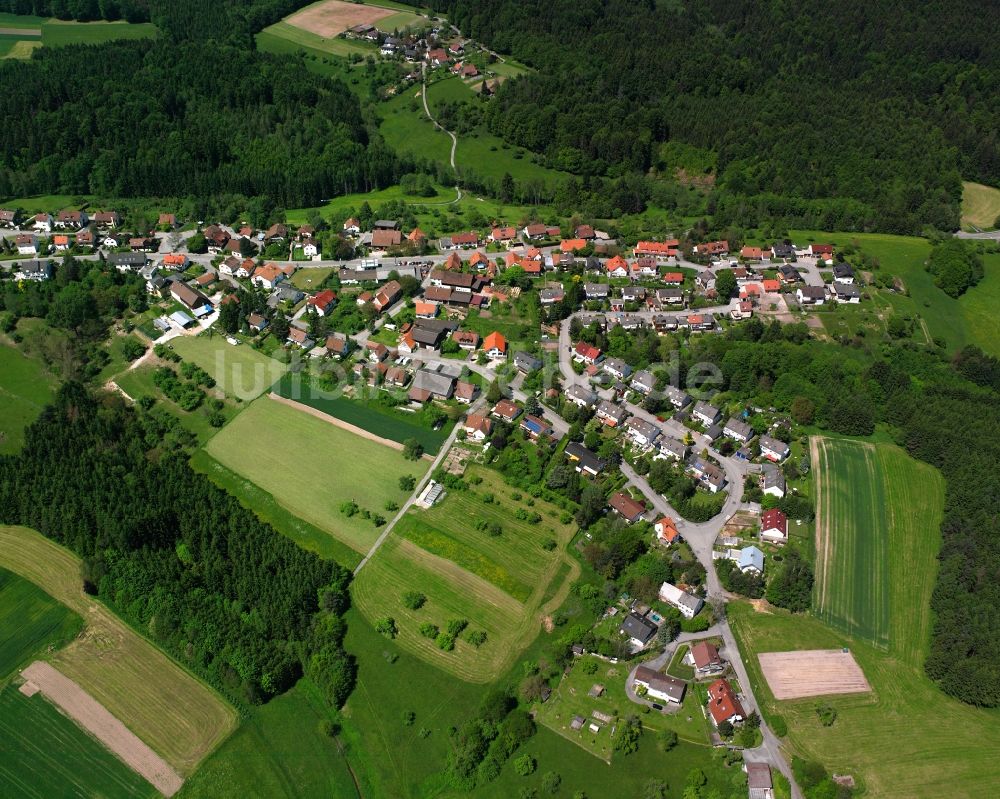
[[414, 600], [779, 726], [525, 765], [407, 482], [445, 642], [477, 638], [386, 626], [428, 630]]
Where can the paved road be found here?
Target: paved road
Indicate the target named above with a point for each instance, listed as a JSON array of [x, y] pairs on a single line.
[[413, 497]]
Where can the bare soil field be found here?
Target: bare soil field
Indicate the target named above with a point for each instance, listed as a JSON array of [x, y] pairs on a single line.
[[95, 719], [335, 16], [812, 672]]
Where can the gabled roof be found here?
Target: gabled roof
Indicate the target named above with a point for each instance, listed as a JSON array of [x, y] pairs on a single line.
[[722, 701], [495, 341], [774, 519], [626, 506]]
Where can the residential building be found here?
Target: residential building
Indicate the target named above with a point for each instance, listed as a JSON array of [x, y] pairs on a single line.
[[657, 249], [751, 560], [596, 291], [466, 339], [495, 345], [773, 482], [671, 448], [586, 353], [644, 382], [704, 656], [617, 368], [535, 427], [708, 474], [338, 345], [477, 427], [811, 295], [466, 393], [42, 223], [383, 239], [666, 531], [27, 244], [705, 413], [551, 296], [712, 248], [688, 604], [387, 295], [774, 526], [846, 292], [738, 429], [823, 251], [660, 686], [678, 398], [759, 782], [526, 362], [612, 415], [629, 509], [773, 449], [583, 459], [36, 270], [843, 273], [322, 302], [579, 395], [267, 276], [506, 410], [641, 432], [428, 384], [723, 705], [640, 631], [188, 297]]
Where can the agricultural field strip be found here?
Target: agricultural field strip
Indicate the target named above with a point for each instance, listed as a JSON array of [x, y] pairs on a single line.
[[50, 756], [852, 587], [168, 708], [814, 672], [95, 719]]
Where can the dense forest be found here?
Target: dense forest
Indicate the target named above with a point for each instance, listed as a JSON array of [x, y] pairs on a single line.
[[175, 556], [133, 118], [827, 114]]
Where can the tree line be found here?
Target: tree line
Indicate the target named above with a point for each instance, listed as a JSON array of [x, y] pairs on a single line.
[[176, 557]]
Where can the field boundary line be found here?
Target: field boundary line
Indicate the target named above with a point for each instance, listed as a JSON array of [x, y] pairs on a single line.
[[97, 720], [351, 428]]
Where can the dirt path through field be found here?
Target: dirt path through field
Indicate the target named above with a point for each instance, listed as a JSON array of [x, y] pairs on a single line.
[[358, 431], [90, 714], [816, 453]]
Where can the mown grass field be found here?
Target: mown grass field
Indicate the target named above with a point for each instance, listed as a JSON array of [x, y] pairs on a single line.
[[384, 422], [339, 205], [241, 371], [504, 586], [311, 466], [906, 738], [25, 388], [31, 623], [299, 38], [179, 717], [279, 752], [878, 511], [45, 755], [268, 509], [970, 319], [980, 206]]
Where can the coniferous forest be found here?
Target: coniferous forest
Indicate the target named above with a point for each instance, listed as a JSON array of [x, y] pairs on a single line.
[[175, 556]]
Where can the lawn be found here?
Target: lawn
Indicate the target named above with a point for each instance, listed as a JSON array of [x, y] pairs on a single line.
[[340, 205], [882, 737], [311, 279], [311, 467], [970, 319], [406, 128], [383, 421], [268, 509], [179, 717], [980, 206], [279, 752], [878, 513], [31, 623], [240, 371], [504, 586], [303, 39], [45, 755], [25, 388], [571, 698]]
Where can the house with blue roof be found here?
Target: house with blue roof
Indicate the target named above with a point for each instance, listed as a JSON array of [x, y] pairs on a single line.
[[751, 560]]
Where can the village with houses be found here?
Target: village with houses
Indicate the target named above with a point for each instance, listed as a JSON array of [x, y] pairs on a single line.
[[408, 320]]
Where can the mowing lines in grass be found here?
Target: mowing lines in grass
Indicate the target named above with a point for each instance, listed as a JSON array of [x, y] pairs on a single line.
[[980, 206], [239, 371], [25, 388], [175, 714], [312, 467], [31, 622], [852, 542], [46, 755]]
